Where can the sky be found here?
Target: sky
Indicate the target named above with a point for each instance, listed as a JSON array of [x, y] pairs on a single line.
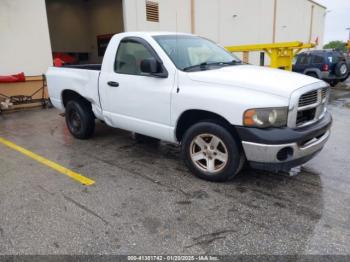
[[337, 19]]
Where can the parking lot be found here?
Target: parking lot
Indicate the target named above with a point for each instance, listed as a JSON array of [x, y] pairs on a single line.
[[144, 201]]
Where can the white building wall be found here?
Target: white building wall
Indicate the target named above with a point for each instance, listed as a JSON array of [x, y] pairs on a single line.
[[24, 37], [294, 21], [174, 15], [234, 22], [25, 43], [207, 17], [319, 25]]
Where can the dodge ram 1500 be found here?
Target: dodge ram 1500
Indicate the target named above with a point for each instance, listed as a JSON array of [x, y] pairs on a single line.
[[186, 89]]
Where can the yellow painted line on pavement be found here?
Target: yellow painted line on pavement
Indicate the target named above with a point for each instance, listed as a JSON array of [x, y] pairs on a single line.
[[65, 171]]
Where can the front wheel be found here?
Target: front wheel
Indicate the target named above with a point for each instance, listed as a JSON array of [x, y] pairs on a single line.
[[211, 152]]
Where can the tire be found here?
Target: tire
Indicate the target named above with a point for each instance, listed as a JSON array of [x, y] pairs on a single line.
[[345, 78], [80, 119], [49, 103], [341, 69], [312, 75], [211, 152], [333, 83]]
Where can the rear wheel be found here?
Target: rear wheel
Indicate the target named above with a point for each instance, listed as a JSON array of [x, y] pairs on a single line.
[[341, 69], [333, 82], [211, 152], [345, 78], [80, 119]]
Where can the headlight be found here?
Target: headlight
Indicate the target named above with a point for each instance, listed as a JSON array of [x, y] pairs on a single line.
[[266, 117]]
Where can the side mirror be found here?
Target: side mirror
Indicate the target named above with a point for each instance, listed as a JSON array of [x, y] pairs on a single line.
[[153, 67], [149, 65]]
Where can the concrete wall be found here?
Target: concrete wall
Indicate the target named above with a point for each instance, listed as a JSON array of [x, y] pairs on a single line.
[[24, 38]]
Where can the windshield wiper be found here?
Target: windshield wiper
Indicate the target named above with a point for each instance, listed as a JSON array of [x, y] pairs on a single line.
[[201, 66], [204, 66], [233, 62]]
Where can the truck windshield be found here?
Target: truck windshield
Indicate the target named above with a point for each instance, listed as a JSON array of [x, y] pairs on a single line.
[[193, 53]]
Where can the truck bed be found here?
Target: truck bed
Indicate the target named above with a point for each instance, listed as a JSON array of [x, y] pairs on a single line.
[[82, 79], [96, 67]]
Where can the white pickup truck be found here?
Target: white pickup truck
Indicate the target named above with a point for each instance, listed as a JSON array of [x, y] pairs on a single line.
[[186, 89]]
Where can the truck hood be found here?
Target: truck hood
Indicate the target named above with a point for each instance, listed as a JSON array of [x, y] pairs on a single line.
[[267, 80]]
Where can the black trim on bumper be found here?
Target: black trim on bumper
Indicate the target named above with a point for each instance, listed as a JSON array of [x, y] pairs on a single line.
[[283, 166], [275, 136]]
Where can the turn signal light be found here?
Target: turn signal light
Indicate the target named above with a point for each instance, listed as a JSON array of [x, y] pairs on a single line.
[[248, 117]]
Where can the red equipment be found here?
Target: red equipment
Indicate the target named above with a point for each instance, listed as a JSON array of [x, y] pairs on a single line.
[[13, 78]]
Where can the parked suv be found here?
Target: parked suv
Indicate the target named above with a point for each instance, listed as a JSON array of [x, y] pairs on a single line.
[[328, 65]]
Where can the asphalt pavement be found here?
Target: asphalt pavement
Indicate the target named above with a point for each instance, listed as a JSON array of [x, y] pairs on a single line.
[[145, 201]]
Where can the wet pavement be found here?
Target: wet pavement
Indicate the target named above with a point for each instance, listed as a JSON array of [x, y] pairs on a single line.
[[145, 201]]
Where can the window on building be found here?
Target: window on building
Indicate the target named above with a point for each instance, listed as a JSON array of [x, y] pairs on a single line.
[[152, 11]]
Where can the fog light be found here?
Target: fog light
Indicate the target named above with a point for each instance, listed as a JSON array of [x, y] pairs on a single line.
[[285, 153]]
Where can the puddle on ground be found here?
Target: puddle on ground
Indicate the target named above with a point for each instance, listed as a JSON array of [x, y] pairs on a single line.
[[340, 97]]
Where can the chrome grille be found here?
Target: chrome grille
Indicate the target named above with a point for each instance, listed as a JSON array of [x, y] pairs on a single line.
[[325, 92], [308, 99], [311, 106]]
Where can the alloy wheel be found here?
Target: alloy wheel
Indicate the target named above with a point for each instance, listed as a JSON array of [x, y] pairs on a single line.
[[209, 153]]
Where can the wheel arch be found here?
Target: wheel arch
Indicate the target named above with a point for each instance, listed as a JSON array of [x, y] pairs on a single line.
[[193, 116], [313, 71], [69, 94]]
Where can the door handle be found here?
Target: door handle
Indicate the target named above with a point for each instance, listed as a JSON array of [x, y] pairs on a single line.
[[112, 83]]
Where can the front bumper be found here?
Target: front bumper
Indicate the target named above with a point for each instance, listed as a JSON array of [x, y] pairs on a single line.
[[283, 148], [327, 76]]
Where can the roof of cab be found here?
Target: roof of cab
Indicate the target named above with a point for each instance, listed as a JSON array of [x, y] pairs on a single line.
[[143, 34]]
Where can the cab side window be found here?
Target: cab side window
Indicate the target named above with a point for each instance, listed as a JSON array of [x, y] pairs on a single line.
[[129, 56], [318, 59]]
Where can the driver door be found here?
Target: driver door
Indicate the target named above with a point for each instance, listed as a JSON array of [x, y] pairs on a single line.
[[133, 100]]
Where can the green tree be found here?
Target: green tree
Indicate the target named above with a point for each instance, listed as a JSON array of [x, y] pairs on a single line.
[[340, 45]]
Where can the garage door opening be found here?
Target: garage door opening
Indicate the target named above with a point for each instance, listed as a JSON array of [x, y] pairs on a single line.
[[81, 29]]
